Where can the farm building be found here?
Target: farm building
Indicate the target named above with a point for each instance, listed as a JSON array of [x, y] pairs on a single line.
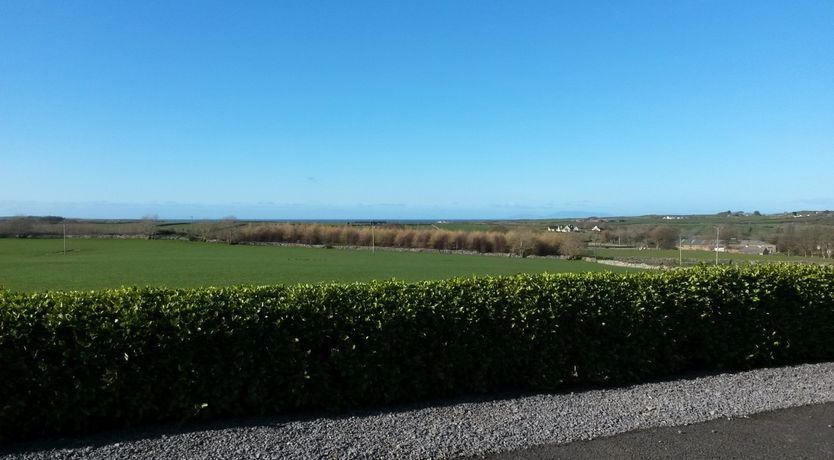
[[753, 247], [703, 245], [743, 246]]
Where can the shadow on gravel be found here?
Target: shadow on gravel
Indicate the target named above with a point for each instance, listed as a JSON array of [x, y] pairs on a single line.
[[159, 431], [797, 432]]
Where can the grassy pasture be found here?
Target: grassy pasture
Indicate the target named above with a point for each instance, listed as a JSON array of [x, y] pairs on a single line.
[[696, 256], [39, 264]]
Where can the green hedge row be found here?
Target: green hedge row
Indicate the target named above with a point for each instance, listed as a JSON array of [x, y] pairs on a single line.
[[81, 361]]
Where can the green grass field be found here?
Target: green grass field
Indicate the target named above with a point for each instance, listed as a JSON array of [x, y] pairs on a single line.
[[696, 256], [39, 264]]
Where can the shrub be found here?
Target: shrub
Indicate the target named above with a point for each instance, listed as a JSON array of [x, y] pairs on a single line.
[[386, 236], [421, 239], [82, 361], [440, 240], [404, 239], [546, 244], [572, 246]]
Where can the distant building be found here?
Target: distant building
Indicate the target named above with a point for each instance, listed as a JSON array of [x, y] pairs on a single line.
[[568, 228], [702, 245], [564, 229], [754, 247]]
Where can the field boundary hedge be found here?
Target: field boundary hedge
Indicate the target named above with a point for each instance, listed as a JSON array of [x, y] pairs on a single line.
[[76, 362]]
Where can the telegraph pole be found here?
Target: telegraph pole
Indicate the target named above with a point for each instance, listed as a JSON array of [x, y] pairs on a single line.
[[717, 230], [65, 238], [680, 250]]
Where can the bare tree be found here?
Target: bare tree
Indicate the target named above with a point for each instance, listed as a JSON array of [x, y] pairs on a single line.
[[149, 223], [18, 226], [572, 246], [663, 237]]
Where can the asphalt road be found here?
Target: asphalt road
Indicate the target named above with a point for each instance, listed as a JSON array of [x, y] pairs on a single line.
[[799, 432]]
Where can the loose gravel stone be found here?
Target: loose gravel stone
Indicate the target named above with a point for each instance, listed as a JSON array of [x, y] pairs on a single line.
[[463, 428]]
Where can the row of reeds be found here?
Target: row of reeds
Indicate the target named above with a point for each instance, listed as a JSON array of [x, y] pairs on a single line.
[[516, 242], [519, 242]]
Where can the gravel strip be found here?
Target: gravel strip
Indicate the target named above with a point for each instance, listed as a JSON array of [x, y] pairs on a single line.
[[466, 428]]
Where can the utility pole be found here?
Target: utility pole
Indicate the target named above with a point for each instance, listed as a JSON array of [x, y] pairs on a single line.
[[373, 240], [717, 231], [65, 238], [596, 244], [680, 250]]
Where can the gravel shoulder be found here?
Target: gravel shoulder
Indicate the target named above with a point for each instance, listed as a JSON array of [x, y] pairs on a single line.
[[458, 428], [797, 432]]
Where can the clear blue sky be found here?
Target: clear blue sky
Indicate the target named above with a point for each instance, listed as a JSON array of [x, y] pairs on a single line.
[[397, 109]]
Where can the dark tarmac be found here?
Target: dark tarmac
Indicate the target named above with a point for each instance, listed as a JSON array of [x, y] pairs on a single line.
[[796, 433]]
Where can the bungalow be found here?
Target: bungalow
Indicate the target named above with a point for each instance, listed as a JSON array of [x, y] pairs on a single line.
[[566, 229]]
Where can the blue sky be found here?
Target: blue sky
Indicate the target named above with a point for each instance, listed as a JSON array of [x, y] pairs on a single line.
[[449, 109]]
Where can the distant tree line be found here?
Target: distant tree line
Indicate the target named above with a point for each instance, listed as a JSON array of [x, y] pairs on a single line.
[[51, 226], [665, 236], [652, 236], [792, 239], [806, 240], [803, 239]]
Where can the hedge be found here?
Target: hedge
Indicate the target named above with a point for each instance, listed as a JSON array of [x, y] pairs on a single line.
[[74, 362]]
